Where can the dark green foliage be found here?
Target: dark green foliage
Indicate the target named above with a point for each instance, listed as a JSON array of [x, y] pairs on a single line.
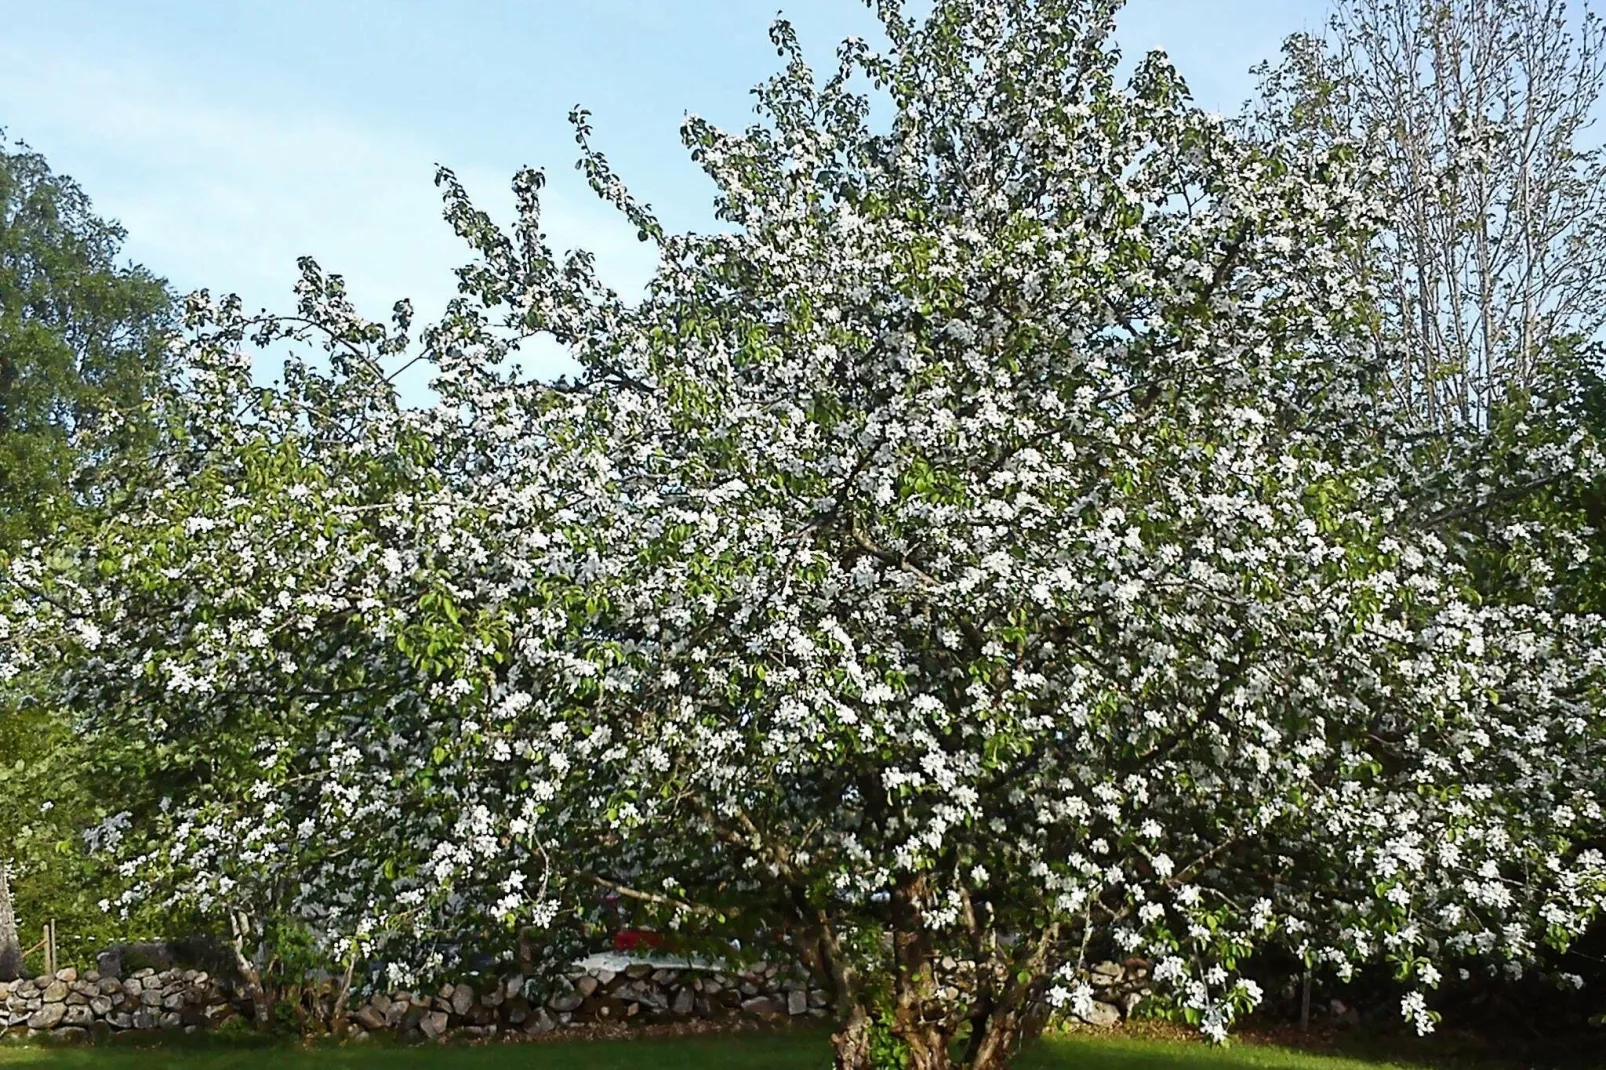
[[78, 333]]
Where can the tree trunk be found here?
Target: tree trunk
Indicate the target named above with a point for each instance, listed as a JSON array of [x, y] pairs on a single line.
[[10, 945], [337, 1017], [928, 1045], [996, 1039], [250, 976], [852, 1044]]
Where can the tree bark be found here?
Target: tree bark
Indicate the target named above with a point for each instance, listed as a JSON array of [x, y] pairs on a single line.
[[928, 1045], [250, 976], [852, 1044], [337, 1016], [995, 1040], [10, 945]]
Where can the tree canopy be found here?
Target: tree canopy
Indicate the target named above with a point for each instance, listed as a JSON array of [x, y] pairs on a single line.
[[1000, 547]]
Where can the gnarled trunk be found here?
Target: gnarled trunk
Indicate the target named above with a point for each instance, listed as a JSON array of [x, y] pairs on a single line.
[[337, 1016], [10, 945], [852, 1044], [250, 976], [996, 1038], [927, 1045]]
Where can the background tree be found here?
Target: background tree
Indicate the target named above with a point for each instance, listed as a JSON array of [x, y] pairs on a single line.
[[80, 335], [1490, 267], [1479, 112]]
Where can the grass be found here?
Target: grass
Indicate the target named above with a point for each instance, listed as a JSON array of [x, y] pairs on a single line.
[[787, 1050]]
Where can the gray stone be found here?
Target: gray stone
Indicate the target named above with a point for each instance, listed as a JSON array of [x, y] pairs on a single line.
[[56, 992], [67, 976], [395, 1013], [540, 1022], [120, 1021], [48, 1016], [638, 971], [462, 999], [78, 1015], [371, 1018], [1107, 973], [518, 1009], [642, 992], [72, 1034], [514, 986], [110, 986], [170, 1020], [144, 1018], [683, 1002], [764, 1007], [433, 1024], [151, 997], [1103, 1014], [587, 985], [173, 1002], [797, 1002], [100, 1006], [566, 1001]]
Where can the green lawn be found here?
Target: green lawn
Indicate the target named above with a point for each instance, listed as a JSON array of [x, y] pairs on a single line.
[[754, 1051]]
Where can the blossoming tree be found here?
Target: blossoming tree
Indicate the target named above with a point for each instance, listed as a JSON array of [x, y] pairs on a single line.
[[998, 546]]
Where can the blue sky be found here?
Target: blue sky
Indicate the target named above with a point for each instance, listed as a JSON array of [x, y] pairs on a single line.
[[232, 136]]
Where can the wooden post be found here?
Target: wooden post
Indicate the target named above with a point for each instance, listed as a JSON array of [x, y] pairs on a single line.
[[1304, 1004], [50, 948]]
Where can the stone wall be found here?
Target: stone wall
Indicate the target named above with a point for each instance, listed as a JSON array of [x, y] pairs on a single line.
[[74, 1006], [70, 1006]]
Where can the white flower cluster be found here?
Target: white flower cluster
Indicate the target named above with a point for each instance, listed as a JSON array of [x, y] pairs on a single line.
[[995, 540]]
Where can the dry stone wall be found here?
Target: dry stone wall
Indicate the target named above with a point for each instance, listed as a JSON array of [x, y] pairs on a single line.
[[72, 1006]]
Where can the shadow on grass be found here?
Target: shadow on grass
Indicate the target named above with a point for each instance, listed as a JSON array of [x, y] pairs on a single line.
[[787, 1049]]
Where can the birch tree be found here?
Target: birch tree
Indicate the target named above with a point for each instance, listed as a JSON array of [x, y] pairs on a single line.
[[1480, 113]]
